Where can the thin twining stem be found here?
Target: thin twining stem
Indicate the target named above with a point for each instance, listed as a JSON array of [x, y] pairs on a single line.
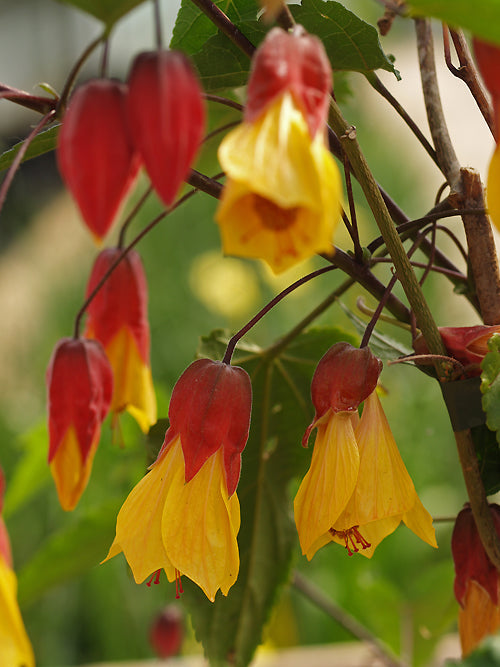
[[74, 73], [225, 25], [223, 100], [249, 325], [348, 622], [38, 103], [131, 216], [157, 24], [421, 265], [21, 153], [353, 229]]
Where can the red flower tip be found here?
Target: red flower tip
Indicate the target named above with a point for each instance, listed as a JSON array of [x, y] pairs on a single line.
[[80, 385], [296, 62], [96, 157], [470, 558], [210, 408], [121, 301], [167, 632], [343, 378], [167, 117]]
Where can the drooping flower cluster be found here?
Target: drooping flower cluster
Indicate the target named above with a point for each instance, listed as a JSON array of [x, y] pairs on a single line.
[[281, 201], [476, 581], [357, 489], [15, 646], [184, 515]]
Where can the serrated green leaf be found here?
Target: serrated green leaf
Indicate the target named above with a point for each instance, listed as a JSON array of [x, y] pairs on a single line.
[[482, 20], [490, 384], [351, 44], [72, 551], [232, 625], [107, 11], [43, 143]]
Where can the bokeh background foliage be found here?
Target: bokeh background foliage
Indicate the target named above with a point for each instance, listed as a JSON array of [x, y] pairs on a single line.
[[78, 611]]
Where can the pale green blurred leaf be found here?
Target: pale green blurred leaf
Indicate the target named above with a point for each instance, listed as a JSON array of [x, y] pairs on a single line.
[[107, 11], [490, 384], [43, 143]]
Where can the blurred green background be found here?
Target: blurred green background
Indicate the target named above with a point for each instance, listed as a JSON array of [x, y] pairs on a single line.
[[77, 611]]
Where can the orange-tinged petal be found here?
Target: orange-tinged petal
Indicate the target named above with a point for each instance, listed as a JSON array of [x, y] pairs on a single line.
[[15, 647], [199, 527], [479, 618], [71, 474], [493, 188], [282, 198], [329, 482], [419, 521], [133, 382], [138, 526]]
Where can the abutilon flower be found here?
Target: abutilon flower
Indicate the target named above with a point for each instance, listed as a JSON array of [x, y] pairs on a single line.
[[167, 117], [117, 317], [15, 646], [281, 200], [96, 157], [357, 489], [476, 581], [184, 515], [80, 385], [469, 345]]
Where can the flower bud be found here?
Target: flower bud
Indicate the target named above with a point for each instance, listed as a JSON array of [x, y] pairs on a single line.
[[488, 61], [296, 62], [117, 317], [95, 154], [210, 408], [167, 632], [80, 384], [167, 117]]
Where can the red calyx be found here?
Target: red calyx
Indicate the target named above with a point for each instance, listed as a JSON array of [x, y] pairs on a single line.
[[80, 385], [95, 154], [167, 117], [121, 301], [344, 377], [210, 408], [296, 62], [470, 558], [167, 632]]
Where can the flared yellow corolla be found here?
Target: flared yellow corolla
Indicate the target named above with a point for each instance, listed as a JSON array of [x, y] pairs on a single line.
[[281, 201], [182, 528]]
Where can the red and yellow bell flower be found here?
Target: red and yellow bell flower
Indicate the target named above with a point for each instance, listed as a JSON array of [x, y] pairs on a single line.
[[15, 646], [357, 489], [476, 581], [281, 200], [117, 317], [184, 515], [80, 384]]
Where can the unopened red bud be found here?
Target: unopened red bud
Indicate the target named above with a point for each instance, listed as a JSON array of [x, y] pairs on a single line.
[[167, 632], [210, 408], [468, 345], [488, 60], [295, 62], [167, 117], [95, 154]]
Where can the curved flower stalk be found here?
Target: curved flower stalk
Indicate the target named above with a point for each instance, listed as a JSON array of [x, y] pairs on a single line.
[[476, 581], [15, 646], [80, 385], [281, 200], [357, 489], [117, 317], [184, 515]]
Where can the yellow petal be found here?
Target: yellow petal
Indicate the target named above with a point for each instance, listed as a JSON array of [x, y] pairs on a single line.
[[133, 388], [419, 521], [15, 647], [356, 538], [199, 526], [138, 526], [329, 482], [70, 474], [281, 201], [479, 618], [493, 188]]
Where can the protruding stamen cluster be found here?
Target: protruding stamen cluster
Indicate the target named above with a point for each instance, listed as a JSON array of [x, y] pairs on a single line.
[[351, 538]]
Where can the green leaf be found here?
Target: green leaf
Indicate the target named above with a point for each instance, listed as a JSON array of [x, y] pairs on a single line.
[[231, 627], [107, 11], [488, 455], [482, 20], [487, 655], [76, 548], [351, 44], [490, 384], [43, 143]]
